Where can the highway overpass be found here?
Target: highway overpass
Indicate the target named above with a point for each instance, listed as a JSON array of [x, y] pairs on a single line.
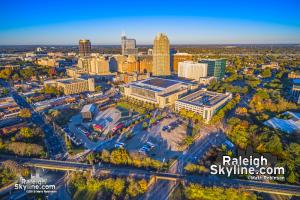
[[143, 173]]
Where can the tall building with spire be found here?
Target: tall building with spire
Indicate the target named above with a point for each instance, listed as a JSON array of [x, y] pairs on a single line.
[[161, 56], [84, 47], [128, 45]]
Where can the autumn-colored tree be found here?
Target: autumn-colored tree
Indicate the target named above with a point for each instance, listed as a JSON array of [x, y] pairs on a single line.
[[25, 113]]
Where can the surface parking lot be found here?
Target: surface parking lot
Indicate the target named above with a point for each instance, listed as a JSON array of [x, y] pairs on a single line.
[[166, 143]]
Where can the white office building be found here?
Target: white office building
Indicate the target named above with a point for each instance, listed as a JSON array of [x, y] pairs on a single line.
[[192, 70]]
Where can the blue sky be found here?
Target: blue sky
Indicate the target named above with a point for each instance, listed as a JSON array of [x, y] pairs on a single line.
[[185, 22]]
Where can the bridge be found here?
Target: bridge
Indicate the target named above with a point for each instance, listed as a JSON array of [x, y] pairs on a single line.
[[99, 170]]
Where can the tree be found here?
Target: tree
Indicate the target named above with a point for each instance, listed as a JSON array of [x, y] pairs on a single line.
[[145, 125], [292, 177], [25, 113], [90, 158], [5, 91], [26, 132], [105, 156], [27, 73], [68, 143], [98, 88], [266, 73], [6, 73], [152, 120], [120, 157]]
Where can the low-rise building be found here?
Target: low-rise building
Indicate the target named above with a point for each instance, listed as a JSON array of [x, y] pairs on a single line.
[[8, 108], [159, 91], [271, 65], [73, 85], [203, 102], [293, 75], [289, 125], [88, 111]]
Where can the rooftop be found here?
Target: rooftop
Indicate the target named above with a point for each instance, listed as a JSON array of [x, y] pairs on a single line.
[[69, 81], [88, 108], [159, 82], [286, 125], [204, 98], [296, 81]]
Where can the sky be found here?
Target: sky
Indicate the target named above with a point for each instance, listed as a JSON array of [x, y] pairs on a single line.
[[64, 22]]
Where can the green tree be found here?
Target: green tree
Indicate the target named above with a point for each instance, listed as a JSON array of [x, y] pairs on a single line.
[[26, 132], [145, 125], [98, 88], [266, 73]]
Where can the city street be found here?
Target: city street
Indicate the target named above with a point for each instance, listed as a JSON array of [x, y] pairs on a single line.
[[53, 142]]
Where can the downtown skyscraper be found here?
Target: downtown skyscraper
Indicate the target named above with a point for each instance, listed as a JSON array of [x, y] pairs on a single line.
[[128, 45], [161, 56], [84, 47]]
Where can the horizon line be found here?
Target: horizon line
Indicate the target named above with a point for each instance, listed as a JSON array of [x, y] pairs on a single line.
[[220, 44]]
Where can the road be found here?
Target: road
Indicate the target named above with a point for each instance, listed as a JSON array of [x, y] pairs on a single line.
[[142, 173], [55, 145], [209, 137]]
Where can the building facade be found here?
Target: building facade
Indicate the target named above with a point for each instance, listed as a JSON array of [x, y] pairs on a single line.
[[216, 67], [161, 56], [94, 65], [128, 46], [192, 70], [180, 57], [296, 90], [72, 86], [293, 75], [146, 64], [203, 102], [158, 91], [84, 47]]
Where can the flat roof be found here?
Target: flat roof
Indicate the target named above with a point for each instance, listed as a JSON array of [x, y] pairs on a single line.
[[159, 82], [296, 81], [88, 108], [68, 81], [204, 98], [286, 125]]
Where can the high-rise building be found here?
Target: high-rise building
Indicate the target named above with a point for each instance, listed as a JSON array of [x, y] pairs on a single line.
[[130, 65], [161, 56], [94, 65], [172, 53], [99, 65], [128, 46], [84, 47], [146, 64], [180, 57], [216, 67], [192, 70]]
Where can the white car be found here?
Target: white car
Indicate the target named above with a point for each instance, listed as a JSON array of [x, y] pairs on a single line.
[[150, 144], [119, 145]]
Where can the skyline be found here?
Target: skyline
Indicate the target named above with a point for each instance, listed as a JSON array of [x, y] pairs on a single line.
[[64, 23]]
